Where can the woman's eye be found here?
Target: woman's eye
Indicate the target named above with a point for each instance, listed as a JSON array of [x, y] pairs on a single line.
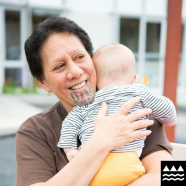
[[59, 66], [79, 57]]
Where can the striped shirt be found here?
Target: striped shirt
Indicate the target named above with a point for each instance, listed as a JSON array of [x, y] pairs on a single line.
[[80, 121]]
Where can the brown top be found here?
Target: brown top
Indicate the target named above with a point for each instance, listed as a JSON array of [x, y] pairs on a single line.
[[39, 158]]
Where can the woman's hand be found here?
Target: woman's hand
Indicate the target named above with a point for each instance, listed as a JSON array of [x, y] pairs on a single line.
[[117, 130], [110, 132]]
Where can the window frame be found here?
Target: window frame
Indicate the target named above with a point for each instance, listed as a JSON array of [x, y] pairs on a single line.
[[143, 20]]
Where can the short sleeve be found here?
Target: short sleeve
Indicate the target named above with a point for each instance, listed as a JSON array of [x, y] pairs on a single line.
[[162, 107], [70, 129], [156, 141], [69, 136], [37, 156], [35, 160]]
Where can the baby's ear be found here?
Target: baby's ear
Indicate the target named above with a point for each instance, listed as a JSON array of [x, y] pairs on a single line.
[[135, 79], [137, 76]]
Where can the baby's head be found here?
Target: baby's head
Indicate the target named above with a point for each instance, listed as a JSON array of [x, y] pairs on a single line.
[[115, 65]]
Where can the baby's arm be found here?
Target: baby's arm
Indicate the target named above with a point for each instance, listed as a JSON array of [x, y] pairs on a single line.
[[69, 134], [70, 153], [163, 108]]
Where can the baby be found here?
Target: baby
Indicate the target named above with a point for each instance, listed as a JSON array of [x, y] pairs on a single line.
[[116, 82]]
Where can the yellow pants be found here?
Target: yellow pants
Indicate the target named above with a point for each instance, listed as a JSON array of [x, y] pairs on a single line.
[[118, 169]]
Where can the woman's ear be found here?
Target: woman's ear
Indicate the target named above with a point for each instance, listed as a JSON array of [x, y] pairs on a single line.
[[43, 84], [135, 79]]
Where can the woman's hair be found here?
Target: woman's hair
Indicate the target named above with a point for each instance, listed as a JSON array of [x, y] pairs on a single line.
[[42, 32]]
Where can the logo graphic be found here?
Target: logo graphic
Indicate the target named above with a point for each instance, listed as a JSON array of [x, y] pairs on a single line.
[[173, 172]]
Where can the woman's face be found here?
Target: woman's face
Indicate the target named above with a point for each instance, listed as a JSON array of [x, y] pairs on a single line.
[[68, 70]]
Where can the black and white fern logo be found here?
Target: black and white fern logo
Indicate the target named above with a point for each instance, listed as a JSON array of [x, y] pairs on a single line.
[[173, 172], [170, 176]]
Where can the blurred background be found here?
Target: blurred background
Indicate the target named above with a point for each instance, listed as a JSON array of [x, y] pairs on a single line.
[[139, 24]]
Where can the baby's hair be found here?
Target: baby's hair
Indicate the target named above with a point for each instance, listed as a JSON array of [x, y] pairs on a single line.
[[115, 62]]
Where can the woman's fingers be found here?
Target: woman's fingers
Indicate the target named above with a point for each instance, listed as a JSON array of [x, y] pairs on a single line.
[[138, 114], [139, 134], [124, 109], [120, 127], [141, 124], [103, 110]]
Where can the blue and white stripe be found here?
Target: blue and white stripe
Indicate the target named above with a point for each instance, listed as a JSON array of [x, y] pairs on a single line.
[[80, 122]]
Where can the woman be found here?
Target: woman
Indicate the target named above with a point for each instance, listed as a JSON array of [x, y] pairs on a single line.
[[59, 56]]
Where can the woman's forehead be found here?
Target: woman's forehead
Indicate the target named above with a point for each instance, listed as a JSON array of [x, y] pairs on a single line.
[[60, 43], [61, 46], [65, 40]]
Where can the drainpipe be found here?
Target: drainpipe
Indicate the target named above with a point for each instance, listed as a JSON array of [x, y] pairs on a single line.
[[172, 58]]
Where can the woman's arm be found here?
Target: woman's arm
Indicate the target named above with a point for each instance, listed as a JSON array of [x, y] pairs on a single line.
[[119, 131], [152, 164], [157, 148]]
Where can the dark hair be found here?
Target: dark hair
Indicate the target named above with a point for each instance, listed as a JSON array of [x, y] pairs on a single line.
[[42, 32]]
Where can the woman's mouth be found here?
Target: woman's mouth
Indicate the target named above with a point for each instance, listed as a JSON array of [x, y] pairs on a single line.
[[78, 86]]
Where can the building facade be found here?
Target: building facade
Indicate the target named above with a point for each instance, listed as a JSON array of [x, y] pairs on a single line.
[[139, 24]]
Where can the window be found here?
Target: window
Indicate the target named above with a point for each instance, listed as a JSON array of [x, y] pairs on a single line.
[[153, 38], [151, 77], [129, 35], [12, 31], [13, 77], [40, 15]]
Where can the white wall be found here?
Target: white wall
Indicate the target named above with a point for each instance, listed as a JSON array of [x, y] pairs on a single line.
[[99, 27], [129, 7], [46, 3], [13, 1], [156, 7], [139, 7], [181, 98], [90, 6], [184, 9]]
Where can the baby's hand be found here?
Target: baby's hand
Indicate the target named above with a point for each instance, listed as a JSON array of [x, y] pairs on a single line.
[[70, 153]]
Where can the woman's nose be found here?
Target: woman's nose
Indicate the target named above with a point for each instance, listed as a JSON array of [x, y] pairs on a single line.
[[74, 71]]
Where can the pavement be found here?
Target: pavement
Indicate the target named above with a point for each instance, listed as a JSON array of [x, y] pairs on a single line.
[[15, 109], [7, 160]]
